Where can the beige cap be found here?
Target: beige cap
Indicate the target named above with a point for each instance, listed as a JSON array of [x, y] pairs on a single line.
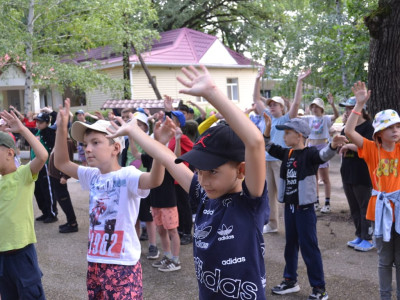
[[318, 102], [276, 99], [78, 130]]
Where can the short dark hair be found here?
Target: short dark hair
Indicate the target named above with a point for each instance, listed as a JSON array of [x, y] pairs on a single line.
[[184, 107]]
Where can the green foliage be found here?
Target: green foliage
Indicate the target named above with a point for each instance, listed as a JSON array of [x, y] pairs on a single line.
[[54, 29]]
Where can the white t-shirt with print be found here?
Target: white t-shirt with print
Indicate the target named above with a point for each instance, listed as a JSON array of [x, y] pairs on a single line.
[[113, 210]]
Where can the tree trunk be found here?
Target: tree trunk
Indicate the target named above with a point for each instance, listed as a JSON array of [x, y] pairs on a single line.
[[384, 60], [126, 70], [28, 94]]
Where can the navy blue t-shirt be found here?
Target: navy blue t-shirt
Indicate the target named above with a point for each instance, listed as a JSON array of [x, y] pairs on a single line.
[[228, 245]]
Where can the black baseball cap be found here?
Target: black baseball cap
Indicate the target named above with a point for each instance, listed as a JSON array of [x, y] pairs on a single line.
[[215, 147], [44, 117]]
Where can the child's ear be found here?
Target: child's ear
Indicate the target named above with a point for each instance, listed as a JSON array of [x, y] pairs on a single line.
[[117, 148], [241, 170]]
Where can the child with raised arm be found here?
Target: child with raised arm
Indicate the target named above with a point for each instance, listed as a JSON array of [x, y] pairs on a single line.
[[20, 276], [114, 270], [297, 189], [381, 156], [232, 208]]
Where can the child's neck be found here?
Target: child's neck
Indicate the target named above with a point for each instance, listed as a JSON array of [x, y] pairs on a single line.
[[110, 168], [299, 146], [388, 146]]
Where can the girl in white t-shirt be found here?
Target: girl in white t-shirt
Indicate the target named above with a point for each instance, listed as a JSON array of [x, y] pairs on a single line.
[[319, 136]]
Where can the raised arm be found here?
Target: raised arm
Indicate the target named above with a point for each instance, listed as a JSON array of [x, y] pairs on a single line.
[[335, 111], [200, 84], [259, 105], [61, 157], [294, 108], [200, 109], [362, 96], [157, 149], [40, 151], [20, 116]]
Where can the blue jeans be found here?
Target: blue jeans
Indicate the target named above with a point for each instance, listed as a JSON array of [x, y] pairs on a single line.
[[301, 232]]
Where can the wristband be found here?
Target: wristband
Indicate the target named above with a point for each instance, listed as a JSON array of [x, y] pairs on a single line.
[[356, 112]]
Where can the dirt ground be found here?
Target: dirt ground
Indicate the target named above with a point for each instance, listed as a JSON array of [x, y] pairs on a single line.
[[348, 274]]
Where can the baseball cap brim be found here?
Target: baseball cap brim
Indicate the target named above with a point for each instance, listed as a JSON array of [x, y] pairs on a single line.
[[202, 160], [283, 127]]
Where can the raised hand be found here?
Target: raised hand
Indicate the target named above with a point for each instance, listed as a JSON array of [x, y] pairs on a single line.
[[304, 74], [168, 103], [164, 131], [197, 83], [13, 122], [268, 124], [123, 129], [260, 72], [330, 99], [360, 91], [99, 115], [64, 114]]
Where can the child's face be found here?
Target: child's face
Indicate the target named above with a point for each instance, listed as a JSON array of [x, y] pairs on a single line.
[[41, 125], [390, 134], [81, 117], [6, 160], [316, 110], [142, 126], [125, 116], [275, 109], [222, 180], [292, 138], [99, 151]]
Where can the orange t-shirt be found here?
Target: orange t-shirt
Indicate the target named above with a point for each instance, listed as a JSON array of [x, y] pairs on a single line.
[[383, 167]]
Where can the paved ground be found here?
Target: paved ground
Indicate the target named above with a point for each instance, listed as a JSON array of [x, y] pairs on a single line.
[[349, 274]]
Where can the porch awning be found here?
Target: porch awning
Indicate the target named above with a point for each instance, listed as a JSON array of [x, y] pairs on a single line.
[[143, 103]]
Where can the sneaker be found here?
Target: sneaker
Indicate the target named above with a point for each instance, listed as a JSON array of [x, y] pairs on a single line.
[[68, 228], [186, 239], [326, 209], [318, 294], [286, 287], [41, 218], [364, 246], [354, 242], [170, 266], [50, 219], [316, 206], [153, 252], [160, 263], [63, 225], [268, 229]]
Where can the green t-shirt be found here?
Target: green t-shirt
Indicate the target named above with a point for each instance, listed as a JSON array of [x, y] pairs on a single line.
[[16, 209]]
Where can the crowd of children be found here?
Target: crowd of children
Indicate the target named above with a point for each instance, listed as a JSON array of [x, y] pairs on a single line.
[[230, 171]]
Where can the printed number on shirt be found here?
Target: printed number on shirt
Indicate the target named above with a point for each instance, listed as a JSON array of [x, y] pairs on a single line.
[[105, 244]]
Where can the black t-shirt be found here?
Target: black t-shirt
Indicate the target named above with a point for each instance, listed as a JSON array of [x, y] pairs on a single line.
[[291, 189], [354, 170], [163, 195]]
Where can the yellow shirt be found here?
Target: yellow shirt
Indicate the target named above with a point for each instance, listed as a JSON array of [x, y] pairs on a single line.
[[16, 209]]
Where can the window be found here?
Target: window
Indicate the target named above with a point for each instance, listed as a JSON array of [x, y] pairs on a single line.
[[233, 89], [78, 97]]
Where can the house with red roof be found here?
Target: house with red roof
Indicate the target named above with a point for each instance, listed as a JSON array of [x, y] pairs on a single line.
[[232, 72]]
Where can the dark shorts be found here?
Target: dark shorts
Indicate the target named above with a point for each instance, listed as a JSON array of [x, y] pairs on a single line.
[[145, 210], [107, 281], [20, 276]]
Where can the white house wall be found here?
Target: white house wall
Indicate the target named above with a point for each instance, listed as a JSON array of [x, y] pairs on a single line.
[[12, 78]]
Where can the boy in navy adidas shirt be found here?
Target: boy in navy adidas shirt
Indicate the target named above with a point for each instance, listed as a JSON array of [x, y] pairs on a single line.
[[297, 189], [228, 243]]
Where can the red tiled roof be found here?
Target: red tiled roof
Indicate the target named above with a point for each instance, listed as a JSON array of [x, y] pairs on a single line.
[[178, 46], [143, 103]]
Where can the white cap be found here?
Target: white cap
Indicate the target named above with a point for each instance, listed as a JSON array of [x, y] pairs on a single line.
[[78, 130]]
